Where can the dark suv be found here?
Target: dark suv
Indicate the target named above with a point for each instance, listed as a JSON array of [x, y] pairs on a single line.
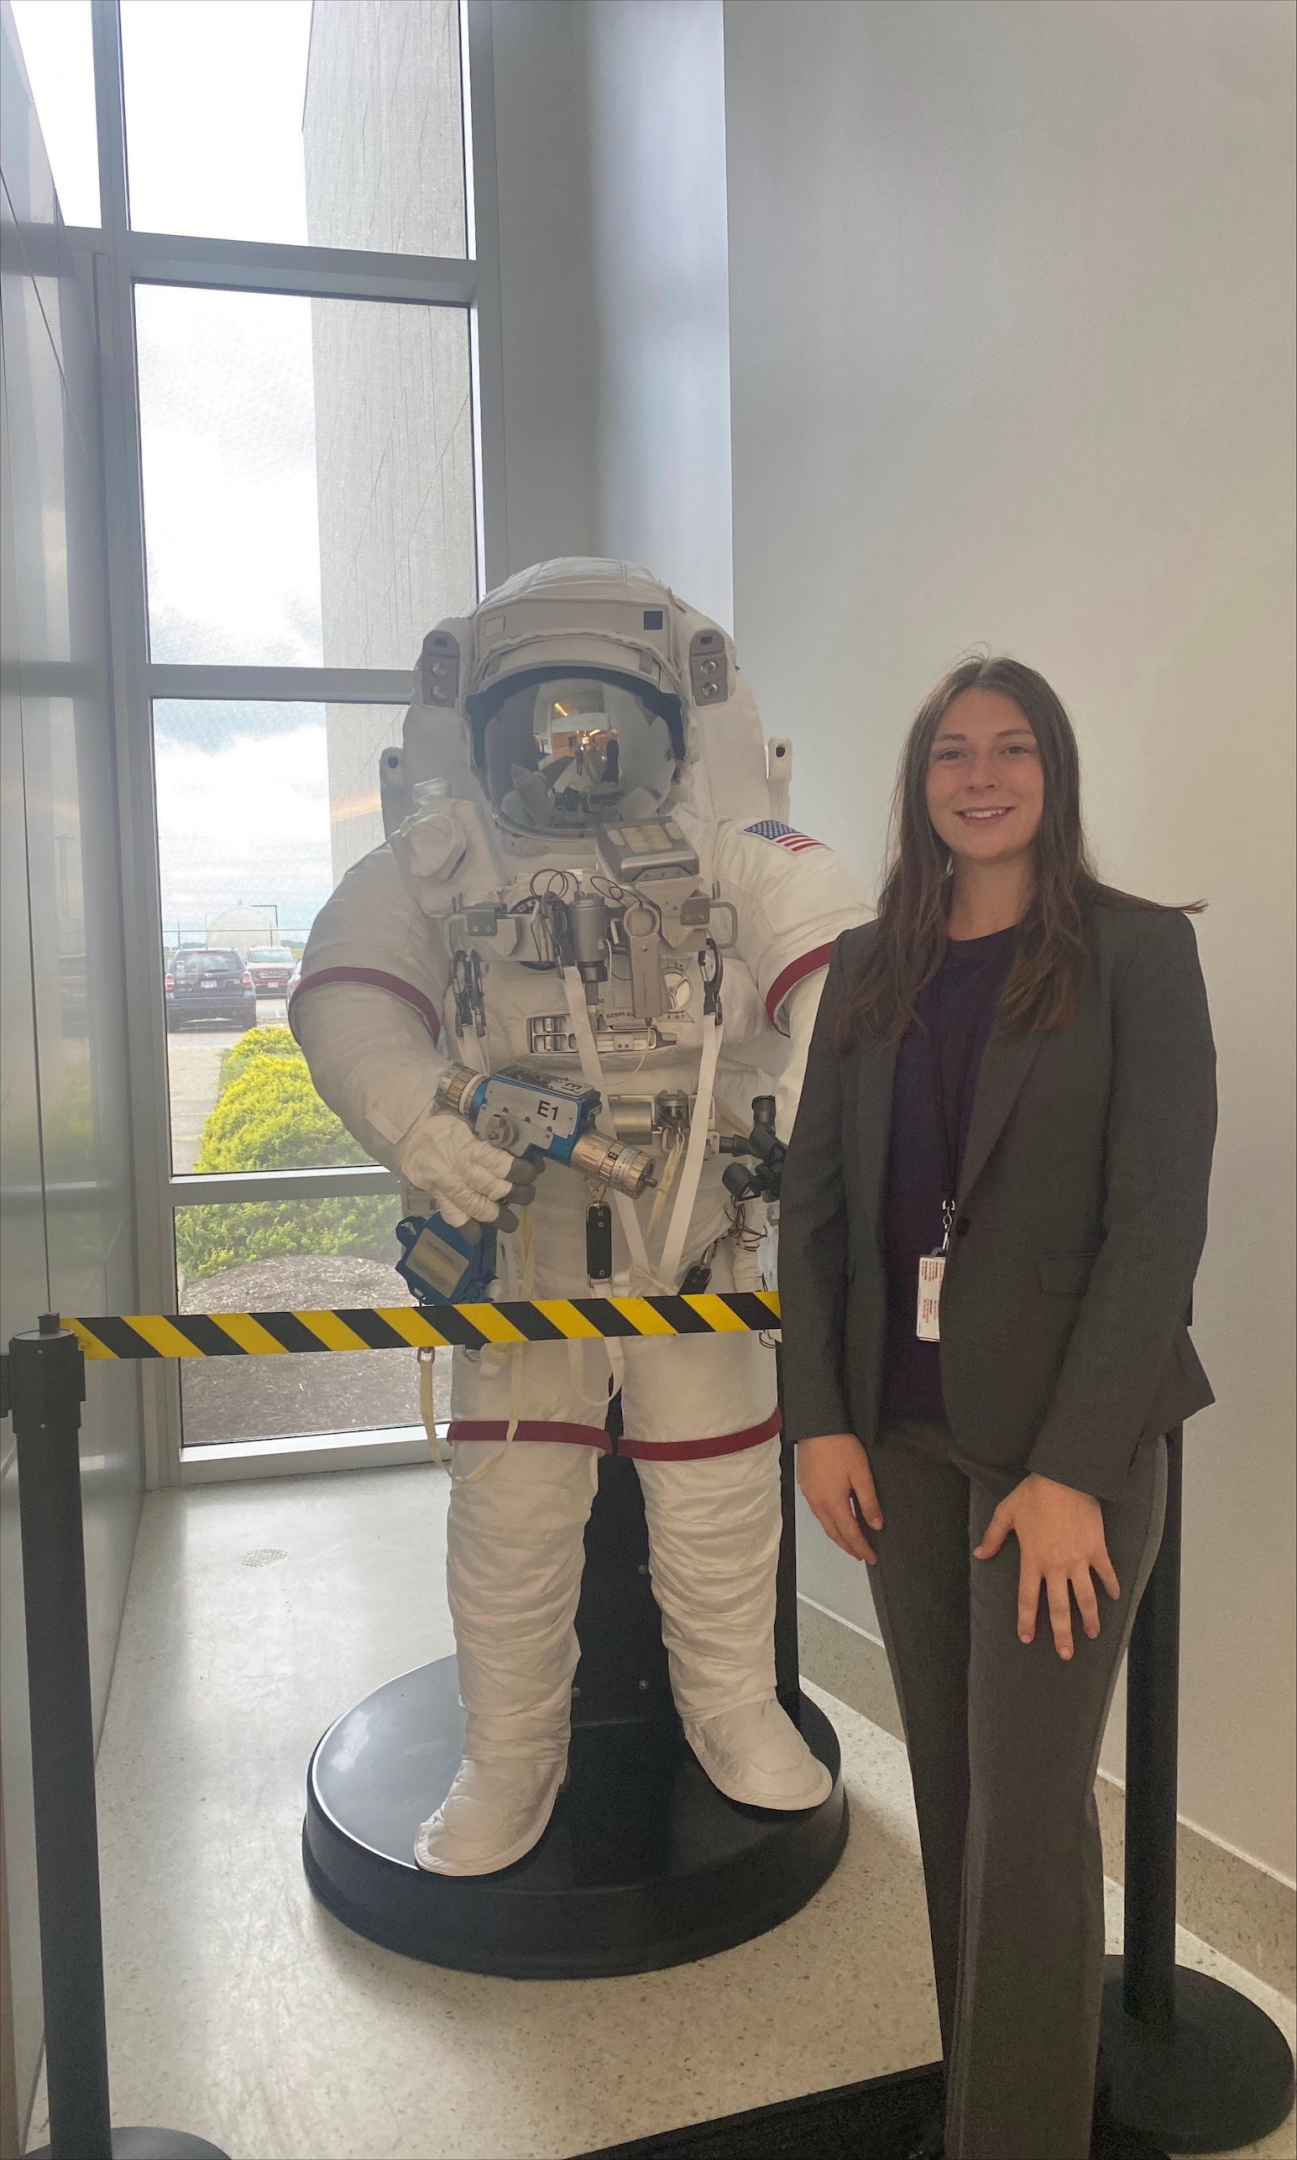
[[204, 984]]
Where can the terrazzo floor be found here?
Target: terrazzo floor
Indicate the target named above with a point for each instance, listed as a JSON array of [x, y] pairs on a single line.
[[239, 2009]]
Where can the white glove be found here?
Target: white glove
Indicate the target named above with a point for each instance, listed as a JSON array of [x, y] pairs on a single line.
[[467, 1178]]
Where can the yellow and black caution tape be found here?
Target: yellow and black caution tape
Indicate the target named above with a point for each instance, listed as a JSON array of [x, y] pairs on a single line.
[[405, 1327]]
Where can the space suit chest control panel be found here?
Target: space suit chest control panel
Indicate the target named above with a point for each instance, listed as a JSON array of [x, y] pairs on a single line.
[[637, 929]]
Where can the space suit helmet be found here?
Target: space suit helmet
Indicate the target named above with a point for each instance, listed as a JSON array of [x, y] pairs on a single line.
[[580, 685], [574, 710]]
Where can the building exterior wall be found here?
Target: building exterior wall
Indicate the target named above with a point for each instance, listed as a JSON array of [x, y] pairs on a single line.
[[383, 140]]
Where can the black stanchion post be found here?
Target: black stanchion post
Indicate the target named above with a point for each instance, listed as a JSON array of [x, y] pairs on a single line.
[[1191, 2061], [47, 1380], [46, 1389]]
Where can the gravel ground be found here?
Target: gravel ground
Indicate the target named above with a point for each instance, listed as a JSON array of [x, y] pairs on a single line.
[[271, 1398]]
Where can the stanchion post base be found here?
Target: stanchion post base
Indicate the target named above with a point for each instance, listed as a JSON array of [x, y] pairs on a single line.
[[149, 2144], [1219, 2077]]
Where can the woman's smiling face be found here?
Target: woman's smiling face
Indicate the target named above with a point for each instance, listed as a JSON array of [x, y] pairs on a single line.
[[985, 786]]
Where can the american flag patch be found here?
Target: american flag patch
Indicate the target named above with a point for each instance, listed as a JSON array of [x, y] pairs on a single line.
[[768, 828]]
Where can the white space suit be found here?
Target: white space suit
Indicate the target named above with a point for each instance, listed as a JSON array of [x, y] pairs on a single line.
[[585, 739]]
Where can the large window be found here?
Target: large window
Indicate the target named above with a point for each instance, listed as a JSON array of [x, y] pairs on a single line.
[[288, 271], [308, 476]]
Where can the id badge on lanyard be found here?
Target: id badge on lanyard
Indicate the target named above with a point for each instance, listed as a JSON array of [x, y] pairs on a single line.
[[932, 1265], [932, 1271]]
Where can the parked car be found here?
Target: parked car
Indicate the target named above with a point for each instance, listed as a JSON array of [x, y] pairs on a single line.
[[203, 983], [271, 968]]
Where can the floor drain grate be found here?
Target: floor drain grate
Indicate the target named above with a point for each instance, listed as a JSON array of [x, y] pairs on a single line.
[[264, 1556]]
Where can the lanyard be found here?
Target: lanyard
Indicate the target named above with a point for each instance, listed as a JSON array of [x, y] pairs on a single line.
[[948, 1136]]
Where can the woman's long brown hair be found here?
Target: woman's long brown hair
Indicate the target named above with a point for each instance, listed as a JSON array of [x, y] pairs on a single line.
[[1045, 984]]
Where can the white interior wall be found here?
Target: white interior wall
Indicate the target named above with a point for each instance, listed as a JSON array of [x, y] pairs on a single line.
[[1011, 331]]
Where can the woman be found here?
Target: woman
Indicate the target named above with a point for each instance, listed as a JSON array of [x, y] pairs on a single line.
[[1011, 1094]]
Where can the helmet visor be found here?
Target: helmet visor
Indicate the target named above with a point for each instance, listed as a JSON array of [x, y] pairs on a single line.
[[573, 753]]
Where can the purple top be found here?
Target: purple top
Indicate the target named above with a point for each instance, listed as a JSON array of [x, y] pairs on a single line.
[[955, 1013]]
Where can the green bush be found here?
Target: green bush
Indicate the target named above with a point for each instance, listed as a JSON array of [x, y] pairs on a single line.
[[211, 1239], [258, 1042], [267, 1116]]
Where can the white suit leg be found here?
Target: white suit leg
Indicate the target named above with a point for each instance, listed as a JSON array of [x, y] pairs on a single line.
[[714, 1531], [714, 1525], [714, 1528], [514, 1553]]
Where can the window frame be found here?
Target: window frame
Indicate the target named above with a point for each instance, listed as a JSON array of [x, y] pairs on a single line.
[[117, 259]]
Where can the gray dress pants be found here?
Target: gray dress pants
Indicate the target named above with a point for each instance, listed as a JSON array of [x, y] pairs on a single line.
[[1003, 1740]]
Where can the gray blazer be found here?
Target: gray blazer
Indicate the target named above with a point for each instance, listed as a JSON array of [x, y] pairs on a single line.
[[1081, 1214]]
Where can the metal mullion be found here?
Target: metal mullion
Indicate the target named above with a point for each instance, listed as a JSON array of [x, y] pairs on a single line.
[[284, 685], [133, 743], [110, 117], [320, 273], [219, 1188], [486, 332]]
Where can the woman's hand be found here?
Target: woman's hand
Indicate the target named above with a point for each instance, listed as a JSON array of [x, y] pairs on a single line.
[[834, 1474], [1060, 1543]]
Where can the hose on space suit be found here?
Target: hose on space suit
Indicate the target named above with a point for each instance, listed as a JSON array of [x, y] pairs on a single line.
[[592, 1073]]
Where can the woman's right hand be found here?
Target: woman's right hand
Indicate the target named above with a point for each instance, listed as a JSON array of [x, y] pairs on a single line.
[[834, 1474]]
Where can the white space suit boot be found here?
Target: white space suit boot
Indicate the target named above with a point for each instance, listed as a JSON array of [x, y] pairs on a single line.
[[514, 1551], [714, 1529], [494, 1812], [756, 1754]]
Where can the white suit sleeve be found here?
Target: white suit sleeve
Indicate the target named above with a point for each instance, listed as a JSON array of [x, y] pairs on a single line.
[[799, 1010], [793, 898], [372, 1060], [366, 1012]]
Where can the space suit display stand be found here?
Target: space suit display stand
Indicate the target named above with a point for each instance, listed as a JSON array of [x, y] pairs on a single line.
[[644, 1864]]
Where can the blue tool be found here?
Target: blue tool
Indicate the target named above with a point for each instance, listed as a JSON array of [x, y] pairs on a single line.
[[443, 1265], [530, 1116]]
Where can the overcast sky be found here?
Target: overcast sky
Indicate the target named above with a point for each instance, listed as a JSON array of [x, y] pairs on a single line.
[[214, 95]]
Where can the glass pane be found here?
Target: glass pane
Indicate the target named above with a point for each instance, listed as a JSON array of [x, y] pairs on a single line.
[[339, 123], [254, 831], [308, 476], [56, 49], [296, 1256], [357, 735]]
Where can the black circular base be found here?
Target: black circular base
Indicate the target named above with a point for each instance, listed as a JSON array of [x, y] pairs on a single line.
[[644, 1863], [153, 2145], [1221, 2076]]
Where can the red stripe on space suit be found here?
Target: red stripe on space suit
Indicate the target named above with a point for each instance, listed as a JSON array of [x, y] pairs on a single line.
[[376, 980], [593, 1436], [795, 972]]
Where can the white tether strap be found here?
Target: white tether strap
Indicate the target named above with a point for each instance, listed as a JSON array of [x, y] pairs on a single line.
[[426, 1356], [699, 1126], [592, 1072]]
